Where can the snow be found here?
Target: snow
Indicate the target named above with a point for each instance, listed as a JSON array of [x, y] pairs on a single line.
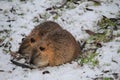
[[74, 20]]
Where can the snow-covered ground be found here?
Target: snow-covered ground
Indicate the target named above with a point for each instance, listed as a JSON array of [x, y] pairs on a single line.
[[20, 17]]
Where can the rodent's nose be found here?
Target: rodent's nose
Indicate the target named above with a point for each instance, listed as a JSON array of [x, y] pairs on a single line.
[[19, 51], [31, 61], [33, 56]]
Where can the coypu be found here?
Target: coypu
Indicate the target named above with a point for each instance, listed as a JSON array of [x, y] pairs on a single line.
[[36, 35], [49, 44], [57, 47]]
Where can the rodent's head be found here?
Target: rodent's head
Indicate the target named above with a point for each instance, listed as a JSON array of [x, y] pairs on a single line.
[[27, 45], [36, 52], [42, 54]]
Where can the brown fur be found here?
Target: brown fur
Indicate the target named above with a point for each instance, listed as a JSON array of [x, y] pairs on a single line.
[[54, 47], [36, 34]]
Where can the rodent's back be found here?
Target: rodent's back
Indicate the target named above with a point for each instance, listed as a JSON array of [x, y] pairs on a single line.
[[44, 28], [64, 46]]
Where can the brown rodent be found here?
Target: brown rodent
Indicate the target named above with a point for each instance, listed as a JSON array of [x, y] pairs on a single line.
[[36, 35], [49, 44], [57, 47]]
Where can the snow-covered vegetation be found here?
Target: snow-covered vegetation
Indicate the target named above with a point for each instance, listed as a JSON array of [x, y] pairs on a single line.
[[96, 22]]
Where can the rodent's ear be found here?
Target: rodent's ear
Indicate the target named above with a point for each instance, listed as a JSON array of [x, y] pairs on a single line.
[[32, 40]]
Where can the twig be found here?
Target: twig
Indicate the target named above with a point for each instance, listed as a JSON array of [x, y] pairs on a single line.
[[22, 65], [2, 71]]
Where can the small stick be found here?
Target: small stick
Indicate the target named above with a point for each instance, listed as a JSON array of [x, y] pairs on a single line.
[[2, 71], [22, 65]]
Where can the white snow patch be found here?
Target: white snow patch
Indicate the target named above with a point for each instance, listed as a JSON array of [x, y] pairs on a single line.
[[75, 21]]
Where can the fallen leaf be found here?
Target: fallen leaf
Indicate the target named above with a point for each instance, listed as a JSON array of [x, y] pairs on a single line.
[[115, 75], [46, 72], [90, 32]]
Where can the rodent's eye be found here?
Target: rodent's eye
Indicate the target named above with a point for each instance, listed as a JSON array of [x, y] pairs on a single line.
[[42, 48], [32, 40]]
